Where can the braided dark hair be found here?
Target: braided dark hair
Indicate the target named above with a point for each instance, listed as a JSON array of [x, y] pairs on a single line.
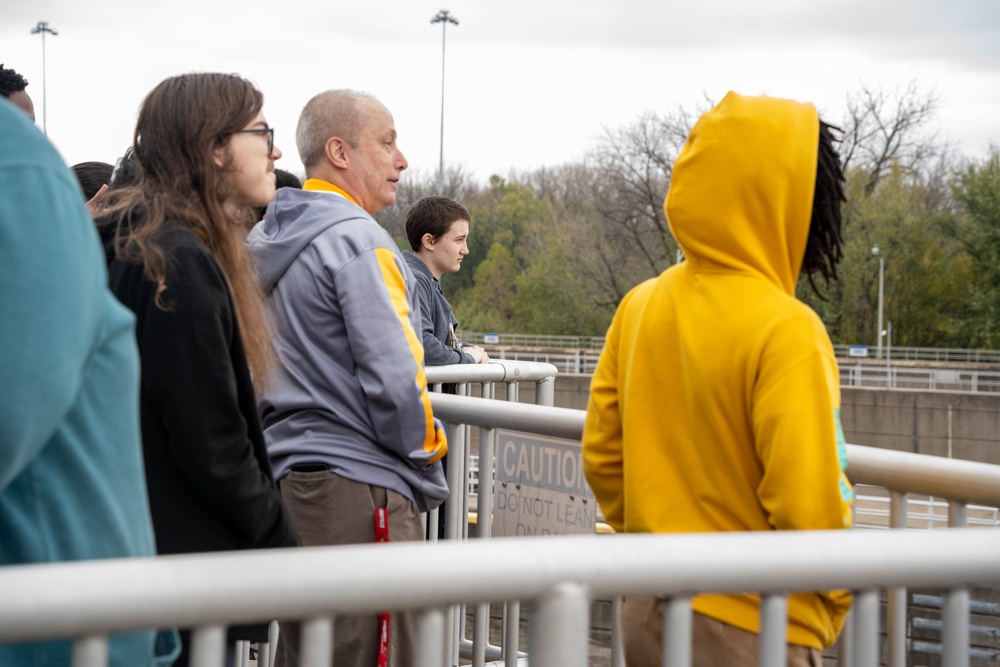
[[11, 82], [823, 251]]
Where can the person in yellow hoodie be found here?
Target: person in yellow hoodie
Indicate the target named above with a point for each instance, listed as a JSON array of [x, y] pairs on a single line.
[[715, 405]]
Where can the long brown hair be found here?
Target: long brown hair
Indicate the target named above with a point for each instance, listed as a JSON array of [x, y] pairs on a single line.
[[181, 123]]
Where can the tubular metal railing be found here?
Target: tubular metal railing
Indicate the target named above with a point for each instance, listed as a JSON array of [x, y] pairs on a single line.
[[852, 373], [532, 340], [961, 483], [934, 379], [509, 372], [555, 578], [935, 354]]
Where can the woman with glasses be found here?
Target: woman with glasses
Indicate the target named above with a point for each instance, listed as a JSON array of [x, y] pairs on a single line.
[[204, 156]]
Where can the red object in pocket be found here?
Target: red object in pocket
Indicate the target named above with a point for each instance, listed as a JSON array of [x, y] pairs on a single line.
[[382, 535]]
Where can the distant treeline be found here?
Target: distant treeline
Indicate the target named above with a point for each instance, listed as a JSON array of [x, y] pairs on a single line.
[[553, 251]]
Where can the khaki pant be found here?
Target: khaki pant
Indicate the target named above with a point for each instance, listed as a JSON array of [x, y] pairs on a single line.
[[326, 510], [713, 643]]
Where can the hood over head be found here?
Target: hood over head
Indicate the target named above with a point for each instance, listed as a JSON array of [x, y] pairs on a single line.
[[290, 224], [741, 191]]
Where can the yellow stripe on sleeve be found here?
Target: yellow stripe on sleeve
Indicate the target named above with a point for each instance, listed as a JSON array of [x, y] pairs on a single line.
[[434, 440]]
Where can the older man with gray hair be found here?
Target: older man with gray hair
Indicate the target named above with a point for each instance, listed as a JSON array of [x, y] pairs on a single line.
[[348, 420]]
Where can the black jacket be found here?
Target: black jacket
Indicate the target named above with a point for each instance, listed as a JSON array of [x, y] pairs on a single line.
[[210, 482]]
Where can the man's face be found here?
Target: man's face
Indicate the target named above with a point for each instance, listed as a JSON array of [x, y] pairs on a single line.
[[376, 163], [447, 251], [22, 101]]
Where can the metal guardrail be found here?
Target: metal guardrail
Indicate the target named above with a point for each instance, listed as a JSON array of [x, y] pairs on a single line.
[[557, 578], [936, 354], [577, 362], [510, 372], [954, 479], [961, 483], [852, 373], [532, 340], [933, 379]]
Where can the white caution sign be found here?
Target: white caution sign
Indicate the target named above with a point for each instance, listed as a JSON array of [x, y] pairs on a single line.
[[540, 488]]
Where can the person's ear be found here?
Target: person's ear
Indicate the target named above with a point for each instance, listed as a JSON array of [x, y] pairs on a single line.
[[336, 152], [219, 156], [427, 242]]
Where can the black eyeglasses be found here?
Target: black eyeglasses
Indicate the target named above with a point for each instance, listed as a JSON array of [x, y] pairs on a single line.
[[269, 131]]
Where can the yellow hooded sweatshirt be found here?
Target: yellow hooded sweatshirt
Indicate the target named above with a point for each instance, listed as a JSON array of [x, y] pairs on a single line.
[[715, 403]]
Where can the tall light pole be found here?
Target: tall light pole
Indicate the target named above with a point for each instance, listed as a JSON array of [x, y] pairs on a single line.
[[444, 18], [888, 356], [881, 285], [43, 27]]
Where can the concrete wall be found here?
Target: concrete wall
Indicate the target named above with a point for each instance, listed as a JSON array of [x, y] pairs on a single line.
[[960, 425]]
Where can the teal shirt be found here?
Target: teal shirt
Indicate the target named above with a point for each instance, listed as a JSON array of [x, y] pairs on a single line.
[[72, 484]]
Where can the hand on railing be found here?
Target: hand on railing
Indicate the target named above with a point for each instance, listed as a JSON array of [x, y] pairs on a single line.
[[477, 353]]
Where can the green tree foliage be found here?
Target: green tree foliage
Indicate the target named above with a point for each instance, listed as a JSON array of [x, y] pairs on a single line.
[[553, 300], [554, 250], [897, 198], [491, 303], [925, 272], [976, 188], [505, 214], [459, 184], [631, 168]]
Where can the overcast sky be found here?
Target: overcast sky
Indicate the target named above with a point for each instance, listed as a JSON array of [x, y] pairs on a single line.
[[528, 83]]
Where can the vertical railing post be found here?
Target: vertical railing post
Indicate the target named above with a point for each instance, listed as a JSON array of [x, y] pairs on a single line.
[[90, 651], [208, 645], [455, 513], [845, 644], [512, 633], [866, 628], [480, 634], [677, 622], [484, 525], [513, 391], [955, 606], [773, 630], [545, 392], [241, 653], [955, 633], [617, 651], [958, 514], [430, 649], [457, 481], [896, 621], [557, 628], [316, 643]]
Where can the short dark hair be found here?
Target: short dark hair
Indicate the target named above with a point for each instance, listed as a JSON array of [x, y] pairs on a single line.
[[92, 176], [432, 215], [823, 249], [286, 179], [11, 82], [126, 171], [282, 179]]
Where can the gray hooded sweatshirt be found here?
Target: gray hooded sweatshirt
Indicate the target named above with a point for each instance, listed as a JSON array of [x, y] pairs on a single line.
[[350, 390]]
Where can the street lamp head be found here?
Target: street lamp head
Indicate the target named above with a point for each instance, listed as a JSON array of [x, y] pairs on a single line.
[[444, 17], [875, 250], [43, 26]]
